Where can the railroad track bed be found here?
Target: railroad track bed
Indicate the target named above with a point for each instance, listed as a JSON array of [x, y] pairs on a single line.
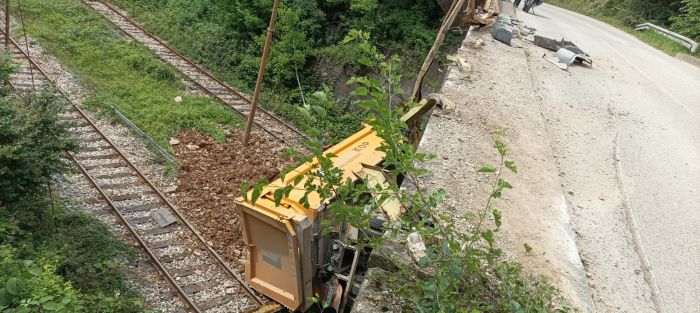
[[199, 280], [199, 76]]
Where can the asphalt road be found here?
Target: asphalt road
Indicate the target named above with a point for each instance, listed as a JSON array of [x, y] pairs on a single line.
[[625, 138]]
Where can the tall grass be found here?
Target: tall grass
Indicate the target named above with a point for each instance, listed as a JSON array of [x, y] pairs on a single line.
[[121, 73]]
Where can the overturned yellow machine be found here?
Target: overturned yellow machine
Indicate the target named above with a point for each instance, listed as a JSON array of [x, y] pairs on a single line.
[[290, 258]]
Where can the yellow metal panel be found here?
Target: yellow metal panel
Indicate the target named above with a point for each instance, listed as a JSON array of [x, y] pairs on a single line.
[[360, 148], [391, 206]]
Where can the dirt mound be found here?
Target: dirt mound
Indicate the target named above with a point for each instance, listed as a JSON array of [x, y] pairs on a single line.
[[210, 178]]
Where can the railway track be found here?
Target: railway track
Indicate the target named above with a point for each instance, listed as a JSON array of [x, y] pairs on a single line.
[[200, 77], [194, 271]]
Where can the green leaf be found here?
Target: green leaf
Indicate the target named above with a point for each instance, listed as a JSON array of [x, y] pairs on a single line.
[[45, 299], [298, 179], [497, 217], [496, 193], [51, 306], [279, 193], [501, 147], [488, 236], [14, 286], [360, 91], [511, 166], [257, 190], [320, 111], [320, 95], [365, 61], [527, 247], [35, 271], [487, 169], [504, 184], [5, 298]]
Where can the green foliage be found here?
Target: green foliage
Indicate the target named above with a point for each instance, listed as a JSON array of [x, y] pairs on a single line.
[[466, 270], [67, 263], [688, 22], [115, 71], [6, 68], [32, 142], [227, 37], [324, 112]]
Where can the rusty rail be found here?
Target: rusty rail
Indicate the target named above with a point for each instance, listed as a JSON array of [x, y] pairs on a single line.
[[204, 72]]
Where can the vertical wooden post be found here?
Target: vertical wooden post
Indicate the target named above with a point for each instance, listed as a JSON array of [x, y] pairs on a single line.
[[7, 25], [261, 72], [449, 19], [7, 33]]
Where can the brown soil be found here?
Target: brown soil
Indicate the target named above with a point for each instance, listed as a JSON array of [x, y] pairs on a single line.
[[210, 178]]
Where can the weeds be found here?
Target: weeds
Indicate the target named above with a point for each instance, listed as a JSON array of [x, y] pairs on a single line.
[[115, 71]]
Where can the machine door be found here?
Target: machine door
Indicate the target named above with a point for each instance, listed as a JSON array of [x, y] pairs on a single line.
[[274, 262]]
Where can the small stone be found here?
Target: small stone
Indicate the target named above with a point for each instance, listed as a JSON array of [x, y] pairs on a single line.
[[228, 284], [228, 133], [416, 246], [178, 99], [171, 189], [192, 147], [230, 291], [174, 141]]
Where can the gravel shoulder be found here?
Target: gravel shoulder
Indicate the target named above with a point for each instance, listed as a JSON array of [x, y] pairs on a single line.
[[497, 96], [607, 186]]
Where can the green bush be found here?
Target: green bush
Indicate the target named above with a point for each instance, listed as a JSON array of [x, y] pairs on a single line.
[[688, 22], [32, 143]]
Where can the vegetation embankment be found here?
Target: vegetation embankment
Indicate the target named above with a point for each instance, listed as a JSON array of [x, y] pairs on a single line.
[[117, 72], [51, 259], [460, 271], [227, 37], [680, 16]]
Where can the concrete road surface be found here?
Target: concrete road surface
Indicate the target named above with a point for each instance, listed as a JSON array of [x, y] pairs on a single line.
[[626, 137]]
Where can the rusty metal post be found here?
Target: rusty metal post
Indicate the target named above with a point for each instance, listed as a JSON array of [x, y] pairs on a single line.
[[261, 72]]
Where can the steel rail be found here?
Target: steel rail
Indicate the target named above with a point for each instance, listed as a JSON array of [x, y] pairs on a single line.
[[202, 71], [121, 155], [142, 243]]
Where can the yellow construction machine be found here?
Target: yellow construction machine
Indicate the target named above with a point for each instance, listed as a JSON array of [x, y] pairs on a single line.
[[289, 258]]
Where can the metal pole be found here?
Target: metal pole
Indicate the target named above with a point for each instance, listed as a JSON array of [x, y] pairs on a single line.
[[261, 72]]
